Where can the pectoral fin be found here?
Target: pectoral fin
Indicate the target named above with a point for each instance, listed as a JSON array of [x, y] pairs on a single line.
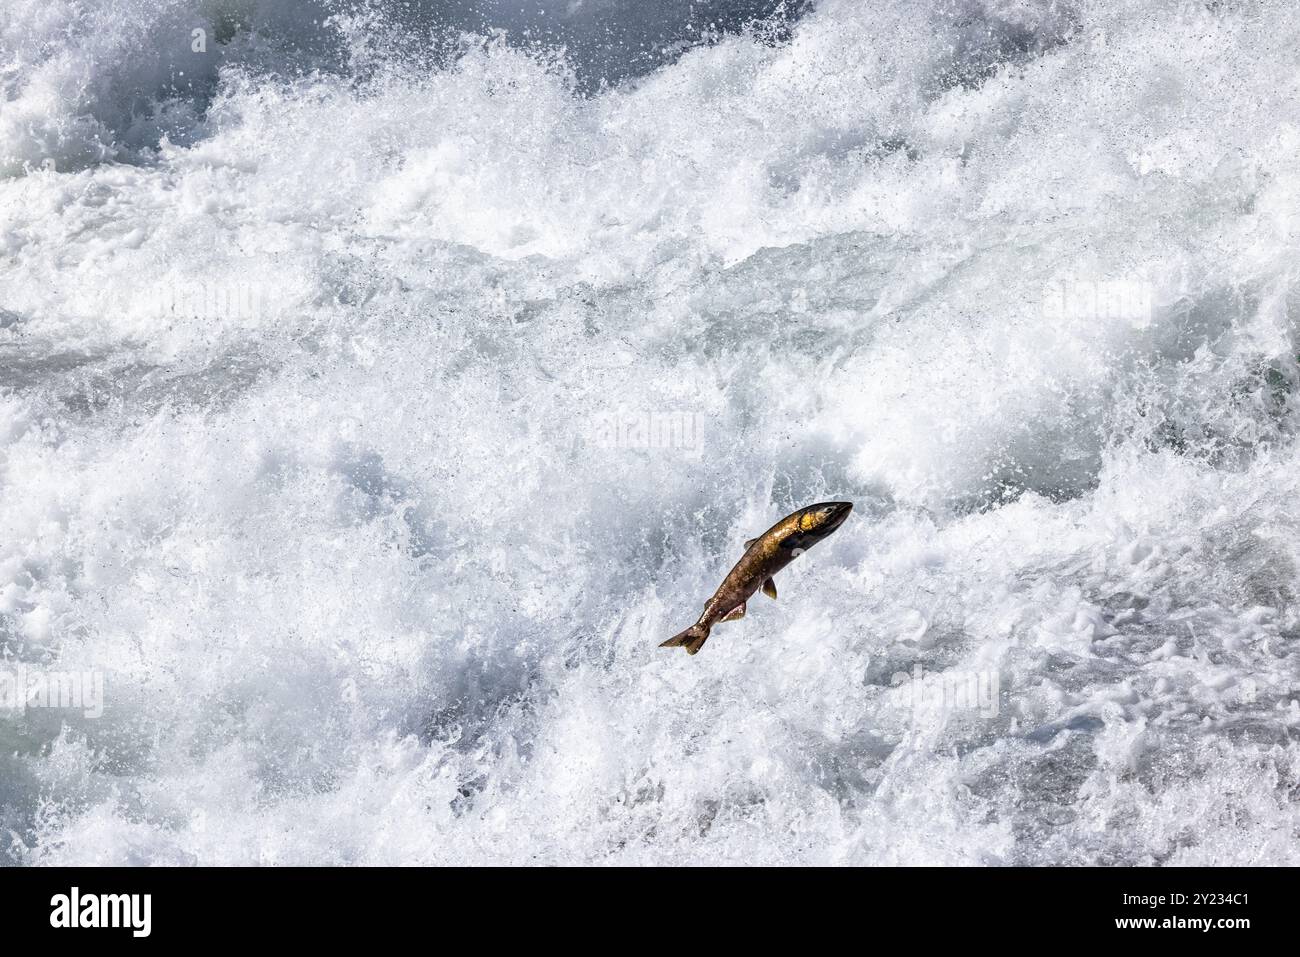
[[769, 589], [737, 612]]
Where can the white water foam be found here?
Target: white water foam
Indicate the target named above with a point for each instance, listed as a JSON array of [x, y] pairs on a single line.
[[305, 362]]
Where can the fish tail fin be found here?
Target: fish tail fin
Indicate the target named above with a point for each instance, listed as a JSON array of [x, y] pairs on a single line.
[[692, 639]]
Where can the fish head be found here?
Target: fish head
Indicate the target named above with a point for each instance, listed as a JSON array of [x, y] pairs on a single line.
[[826, 516], [818, 521]]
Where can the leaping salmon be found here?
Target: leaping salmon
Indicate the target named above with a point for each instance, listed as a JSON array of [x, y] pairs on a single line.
[[764, 557]]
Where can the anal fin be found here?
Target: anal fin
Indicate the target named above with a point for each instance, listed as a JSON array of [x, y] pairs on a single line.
[[769, 589], [737, 612]]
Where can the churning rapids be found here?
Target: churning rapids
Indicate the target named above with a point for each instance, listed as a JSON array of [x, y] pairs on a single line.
[[377, 391]]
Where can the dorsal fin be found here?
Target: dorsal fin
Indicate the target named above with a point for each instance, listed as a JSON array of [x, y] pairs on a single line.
[[750, 544]]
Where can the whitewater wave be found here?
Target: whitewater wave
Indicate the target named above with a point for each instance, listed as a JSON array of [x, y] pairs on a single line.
[[308, 364]]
